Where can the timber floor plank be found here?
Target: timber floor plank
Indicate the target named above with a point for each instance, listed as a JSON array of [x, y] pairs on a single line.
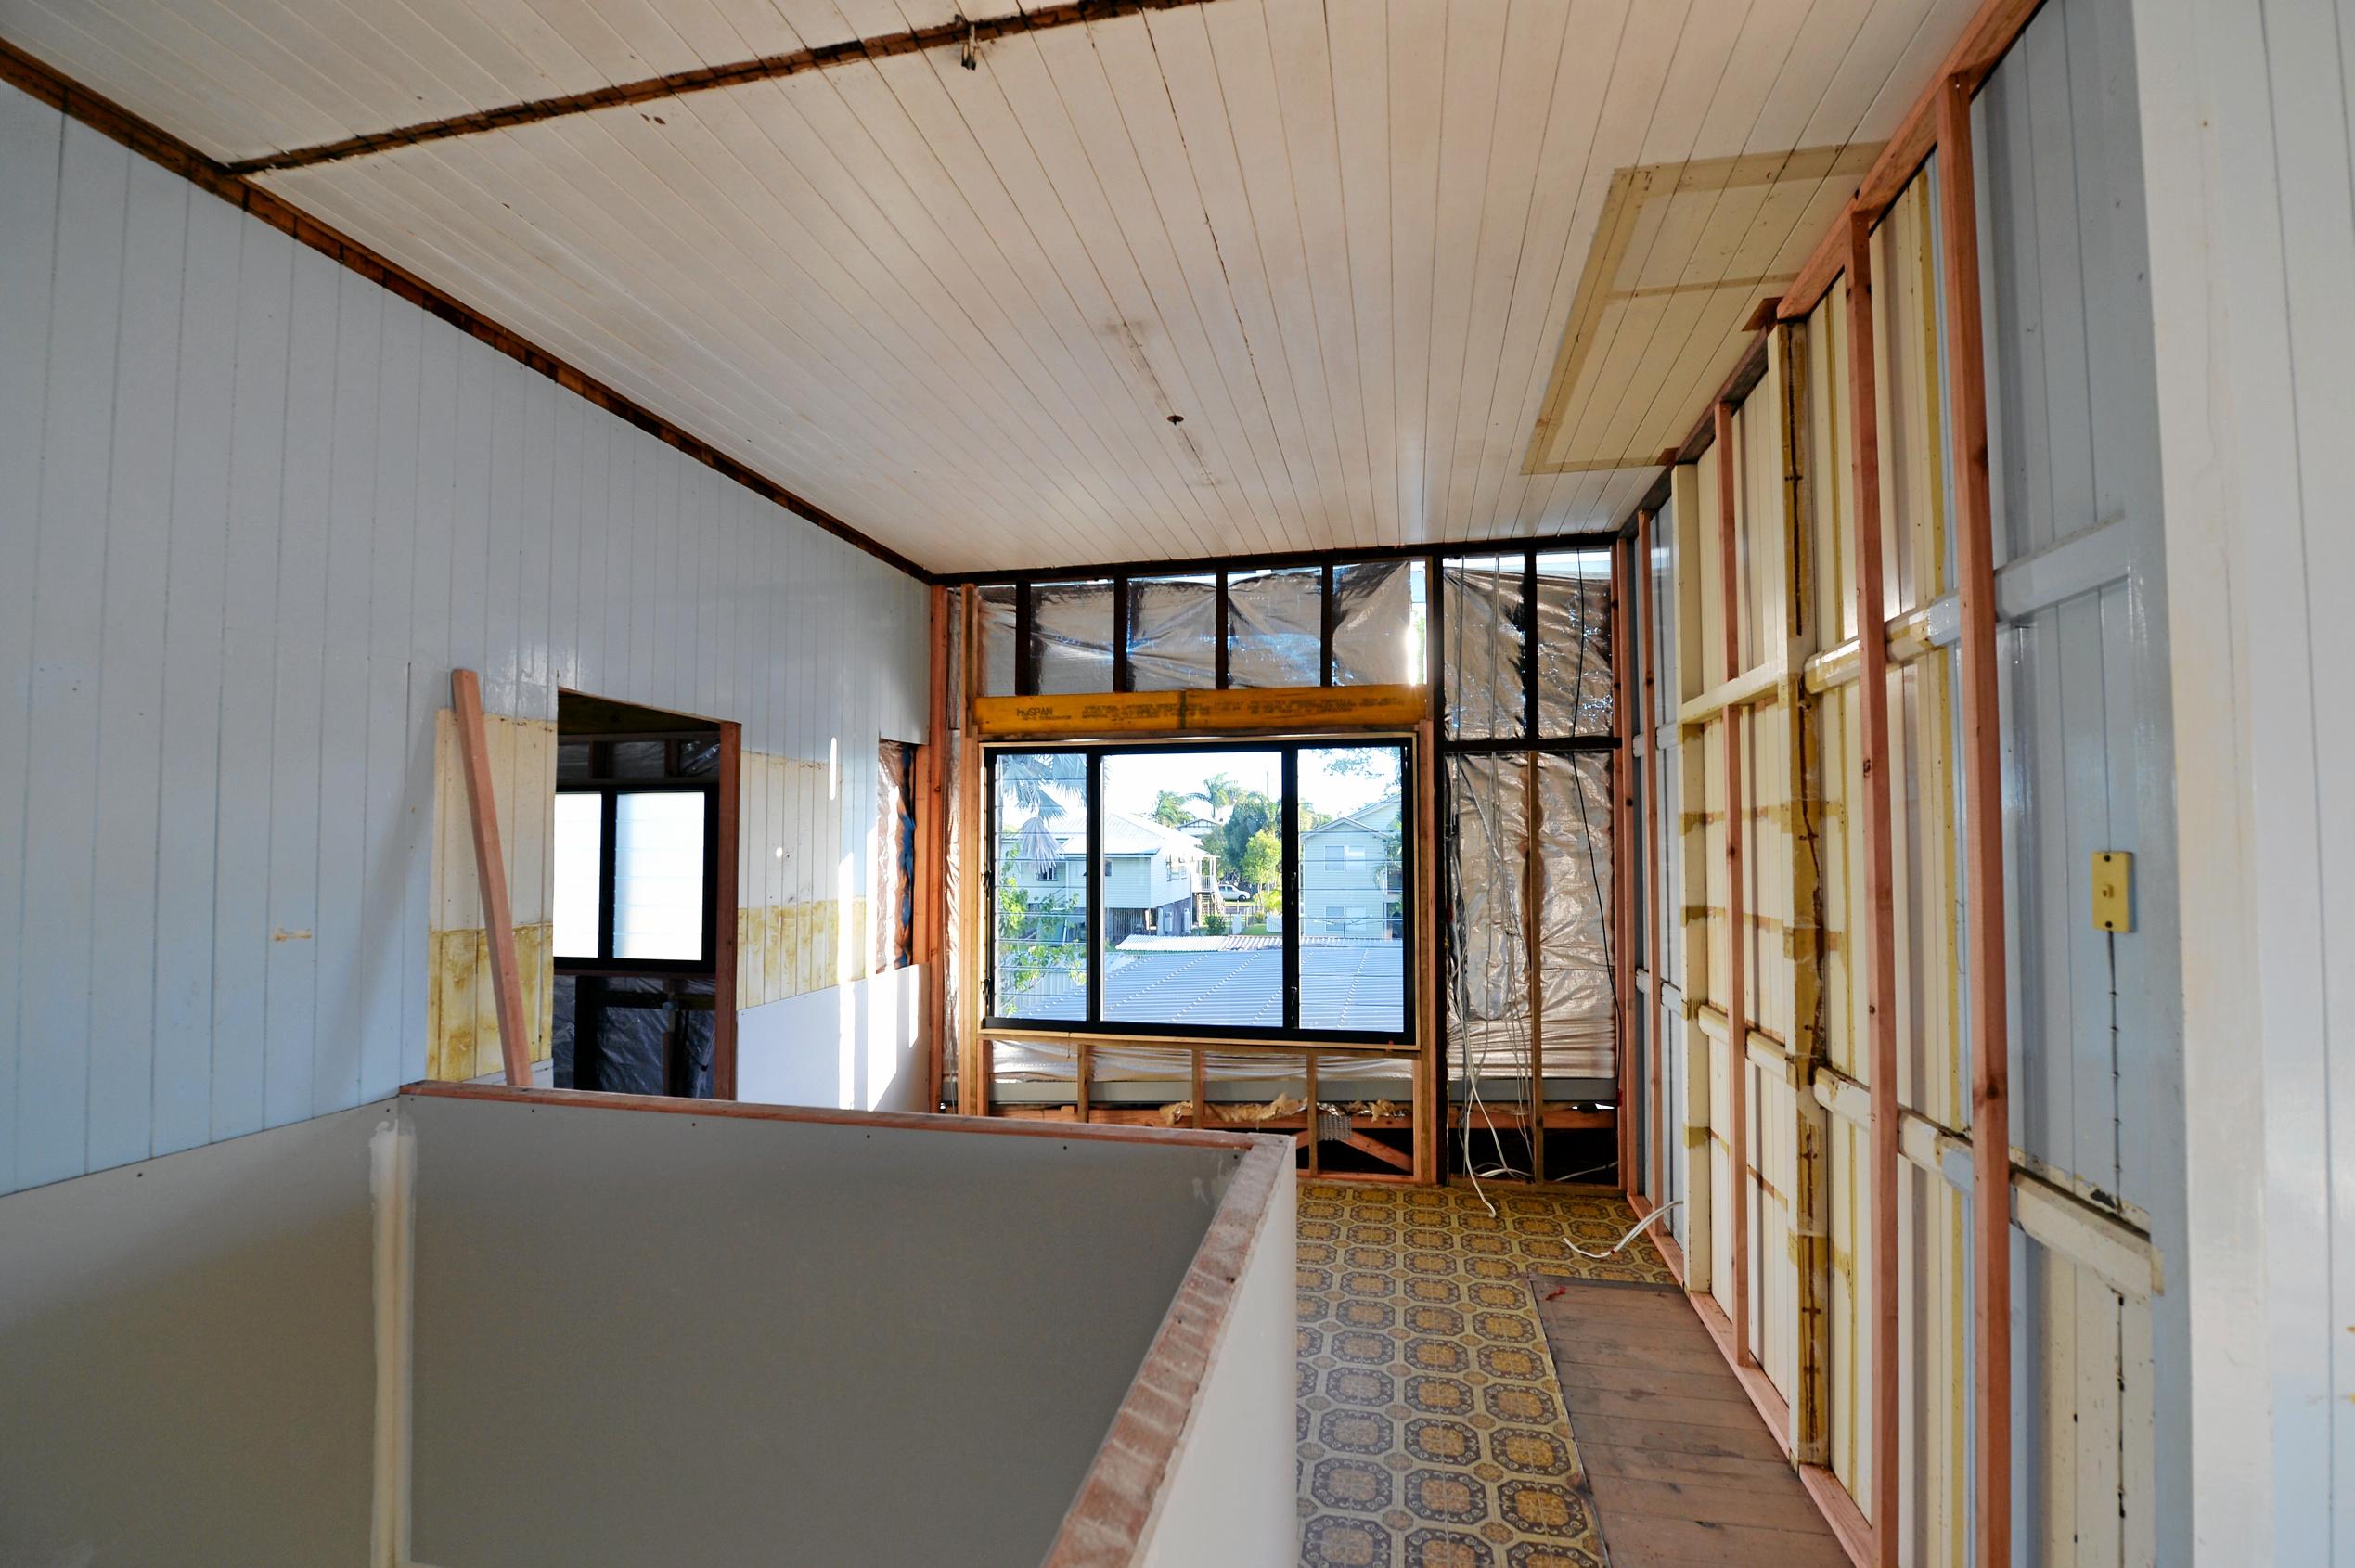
[[1683, 1472]]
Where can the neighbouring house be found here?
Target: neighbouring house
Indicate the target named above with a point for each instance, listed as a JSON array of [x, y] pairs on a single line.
[[1153, 874], [1351, 875]]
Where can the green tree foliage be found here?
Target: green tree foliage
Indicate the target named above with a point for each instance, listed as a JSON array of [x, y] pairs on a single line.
[[1033, 943], [1262, 859], [1248, 814], [1172, 810]]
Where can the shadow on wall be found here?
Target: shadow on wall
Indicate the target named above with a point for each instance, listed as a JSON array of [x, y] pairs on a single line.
[[851, 1046]]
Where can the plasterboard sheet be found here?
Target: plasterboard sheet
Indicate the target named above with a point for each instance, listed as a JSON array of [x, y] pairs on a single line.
[[187, 1362], [653, 1338]]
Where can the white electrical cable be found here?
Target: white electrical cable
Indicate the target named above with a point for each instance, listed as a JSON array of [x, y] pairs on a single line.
[[1621, 1244]]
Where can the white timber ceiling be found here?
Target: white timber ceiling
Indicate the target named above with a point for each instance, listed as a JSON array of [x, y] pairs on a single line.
[[1228, 277]]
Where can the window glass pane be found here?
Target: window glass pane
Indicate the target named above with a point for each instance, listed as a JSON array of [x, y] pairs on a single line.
[[1353, 950], [1480, 646], [640, 758], [1173, 633], [1039, 939], [1193, 873], [658, 875], [1378, 619], [1072, 635], [1276, 628], [1574, 644], [997, 615], [579, 851]]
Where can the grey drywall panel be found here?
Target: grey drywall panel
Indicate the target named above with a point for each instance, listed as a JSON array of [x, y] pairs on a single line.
[[187, 1372], [651, 1339]]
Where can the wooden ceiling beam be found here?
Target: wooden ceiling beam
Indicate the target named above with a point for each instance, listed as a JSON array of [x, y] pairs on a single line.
[[959, 33], [110, 119]]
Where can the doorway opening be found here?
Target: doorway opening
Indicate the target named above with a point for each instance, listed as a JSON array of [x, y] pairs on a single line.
[[642, 834]]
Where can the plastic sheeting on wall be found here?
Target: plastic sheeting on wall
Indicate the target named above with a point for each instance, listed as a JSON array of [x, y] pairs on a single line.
[[1574, 694], [1276, 628], [1377, 636], [1488, 949], [1249, 1073], [1575, 979], [1488, 861], [1173, 633], [619, 1034], [895, 859], [998, 616], [1480, 648], [1070, 633]]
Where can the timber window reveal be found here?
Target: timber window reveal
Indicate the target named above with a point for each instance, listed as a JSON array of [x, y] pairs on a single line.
[[635, 848], [1160, 889]]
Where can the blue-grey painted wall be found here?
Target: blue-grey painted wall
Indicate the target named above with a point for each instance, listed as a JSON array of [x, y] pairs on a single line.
[[2096, 1019], [253, 508]]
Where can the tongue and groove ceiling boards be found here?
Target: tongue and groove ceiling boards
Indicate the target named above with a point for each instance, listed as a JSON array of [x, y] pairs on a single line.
[[1201, 277]]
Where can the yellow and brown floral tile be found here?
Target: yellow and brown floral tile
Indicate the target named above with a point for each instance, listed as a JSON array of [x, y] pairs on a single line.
[[1430, 1424]]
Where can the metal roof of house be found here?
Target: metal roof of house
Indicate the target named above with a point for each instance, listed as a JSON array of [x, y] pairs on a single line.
[[1357, 985]]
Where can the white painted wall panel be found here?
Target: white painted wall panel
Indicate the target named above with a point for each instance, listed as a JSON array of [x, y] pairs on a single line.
[[2096, 1023], [854, 1044], [2246, 116], [257, 509]]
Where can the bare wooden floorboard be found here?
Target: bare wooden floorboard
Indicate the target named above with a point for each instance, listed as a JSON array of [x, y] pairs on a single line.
[[1683, 1472]]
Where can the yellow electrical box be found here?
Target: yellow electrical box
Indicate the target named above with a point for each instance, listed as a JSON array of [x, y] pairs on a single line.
[[2113, 891]]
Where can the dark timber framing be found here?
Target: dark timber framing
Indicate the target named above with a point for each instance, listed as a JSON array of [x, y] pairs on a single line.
[[959, 34], [159, 145]]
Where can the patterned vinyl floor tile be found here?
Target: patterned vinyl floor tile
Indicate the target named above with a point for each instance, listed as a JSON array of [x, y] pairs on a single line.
[[1430, 1423]]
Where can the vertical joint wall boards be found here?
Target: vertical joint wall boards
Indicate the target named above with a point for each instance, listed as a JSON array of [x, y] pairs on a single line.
[[268, 506]]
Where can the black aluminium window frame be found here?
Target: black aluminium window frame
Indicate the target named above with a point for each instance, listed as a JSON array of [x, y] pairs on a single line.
[[1529, 739], [1434, 562], [1287, 750], [1026, 621], [611, 789]]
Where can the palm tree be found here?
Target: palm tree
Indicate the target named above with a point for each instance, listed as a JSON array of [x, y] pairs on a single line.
[[1027, 774], [1219, 793]]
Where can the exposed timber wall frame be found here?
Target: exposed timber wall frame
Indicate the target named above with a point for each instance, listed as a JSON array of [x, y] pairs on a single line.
[[159, 146], [1632, 1107], [723, 910], [490, 864], [1277, 719], [1898, 1067], [1644, 634], [1737, 918], [1983, 805], [973, 1051], [933, 900], [1879, 924]]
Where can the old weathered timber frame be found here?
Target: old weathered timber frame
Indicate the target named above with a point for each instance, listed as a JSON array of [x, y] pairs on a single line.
[[490, 865]]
